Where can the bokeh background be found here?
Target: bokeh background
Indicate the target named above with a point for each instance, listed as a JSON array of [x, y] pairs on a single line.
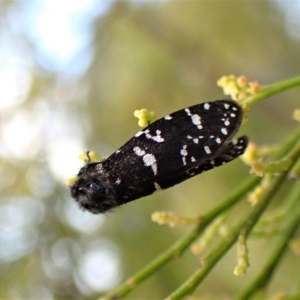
[[71, 75]]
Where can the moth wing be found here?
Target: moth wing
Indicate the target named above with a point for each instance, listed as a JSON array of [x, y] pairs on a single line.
[[179, 141], [134, 190], [233, 150]]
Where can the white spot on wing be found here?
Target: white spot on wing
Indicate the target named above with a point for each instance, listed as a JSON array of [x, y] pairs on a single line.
[[218, 140], [157, 187], [224, 131], [156, 138], [118, 181], [168, 117], [150, 161], [226, 123], [226, 106], [196, 119], [193, 159], [138, 151], [183, 153], [195, 141], [207, 150], [206, 106], [139, 133], [188, 111]]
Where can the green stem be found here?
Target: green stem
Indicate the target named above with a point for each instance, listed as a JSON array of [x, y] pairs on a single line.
[[245, 226], [209, 262], [272, 89], [295, 172], [245, 187], [261, 281], [288, 144], [177, 249]]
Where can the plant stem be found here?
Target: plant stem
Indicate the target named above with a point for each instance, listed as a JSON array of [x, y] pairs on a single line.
[[288, 144], [178, 248], [272, 89], [264, 277], [190, 285], [245, 226]]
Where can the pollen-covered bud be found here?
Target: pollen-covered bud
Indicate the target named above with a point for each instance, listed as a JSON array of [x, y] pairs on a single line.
[[145, 117]]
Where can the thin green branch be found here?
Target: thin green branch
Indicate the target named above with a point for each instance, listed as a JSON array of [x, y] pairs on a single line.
[[236, 195], [245, 226], [288, 144], [221, 248], [272, 89], [295, 172], [177, 249], [261, 281]]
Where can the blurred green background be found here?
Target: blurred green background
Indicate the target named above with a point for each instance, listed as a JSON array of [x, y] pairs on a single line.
[[71, 75]]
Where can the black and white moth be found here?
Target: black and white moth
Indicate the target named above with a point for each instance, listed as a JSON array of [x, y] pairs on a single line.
[[167, 152]]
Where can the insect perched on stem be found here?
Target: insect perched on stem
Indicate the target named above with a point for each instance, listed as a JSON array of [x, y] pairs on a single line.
[[170, 150]]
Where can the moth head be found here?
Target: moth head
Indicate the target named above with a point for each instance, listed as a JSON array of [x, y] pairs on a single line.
[[92, 192]]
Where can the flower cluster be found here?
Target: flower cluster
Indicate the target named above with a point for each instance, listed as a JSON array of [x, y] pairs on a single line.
[[237, 87]]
